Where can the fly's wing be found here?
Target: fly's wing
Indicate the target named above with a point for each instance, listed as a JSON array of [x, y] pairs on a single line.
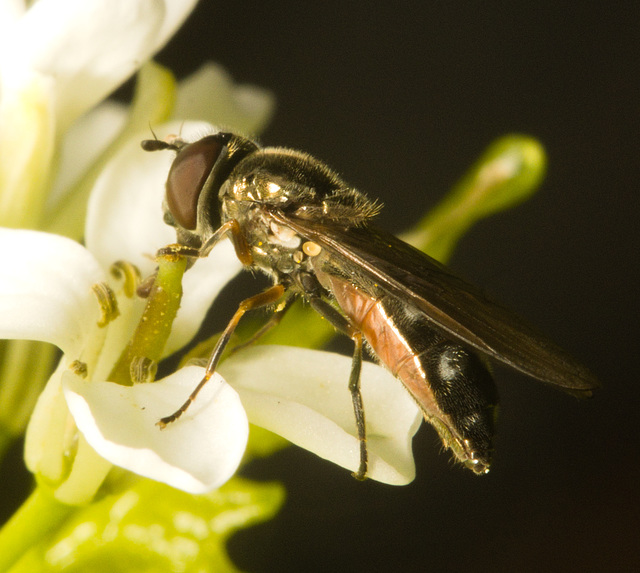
[[455, 306]]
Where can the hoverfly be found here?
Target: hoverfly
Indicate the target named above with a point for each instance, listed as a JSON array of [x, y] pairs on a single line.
[[292, 217]]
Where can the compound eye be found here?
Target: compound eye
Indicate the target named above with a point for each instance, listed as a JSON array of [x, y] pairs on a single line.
[[187, 176]]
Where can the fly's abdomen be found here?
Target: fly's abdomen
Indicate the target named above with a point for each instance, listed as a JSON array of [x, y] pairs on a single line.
[[465, 391], [449, 382]]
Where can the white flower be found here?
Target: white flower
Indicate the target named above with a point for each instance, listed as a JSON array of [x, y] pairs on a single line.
[[46, 294], [58, 59], [209, 95], [83, 48]]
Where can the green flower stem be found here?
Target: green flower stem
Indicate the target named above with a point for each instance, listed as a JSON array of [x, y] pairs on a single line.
[[152, 104], [23, 378], [508, 173], [152, 333], [38, 517]]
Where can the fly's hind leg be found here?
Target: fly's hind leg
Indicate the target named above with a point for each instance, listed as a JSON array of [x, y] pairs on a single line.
[[358, 405], [343, 325], [313, 291]]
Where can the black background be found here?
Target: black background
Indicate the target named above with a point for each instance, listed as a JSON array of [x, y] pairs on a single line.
[[400, 100]]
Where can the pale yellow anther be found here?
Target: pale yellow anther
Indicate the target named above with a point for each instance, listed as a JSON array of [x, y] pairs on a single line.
[[129, 273], [108, 303]]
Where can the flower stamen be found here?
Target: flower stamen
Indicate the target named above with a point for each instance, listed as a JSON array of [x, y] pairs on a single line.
[[143, 370], [129, 273], [79, 368], [108, 303]]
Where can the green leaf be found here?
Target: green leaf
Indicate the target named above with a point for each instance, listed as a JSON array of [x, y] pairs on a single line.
[[263, 443], [152, 527]]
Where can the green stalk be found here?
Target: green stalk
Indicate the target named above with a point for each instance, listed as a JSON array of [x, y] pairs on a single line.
[[38, 517], [508, 172], [151, 335]]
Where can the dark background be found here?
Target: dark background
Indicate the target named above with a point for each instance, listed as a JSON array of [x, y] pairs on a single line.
[[401, 100]]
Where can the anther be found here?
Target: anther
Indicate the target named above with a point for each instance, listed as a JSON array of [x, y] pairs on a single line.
[[108, 303]]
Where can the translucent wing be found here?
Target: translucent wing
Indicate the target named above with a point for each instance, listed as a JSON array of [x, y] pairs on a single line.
[[452, 304]]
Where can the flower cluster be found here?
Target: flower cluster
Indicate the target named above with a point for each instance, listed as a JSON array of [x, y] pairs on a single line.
[[71, 170], [50, 290], [83, 299]]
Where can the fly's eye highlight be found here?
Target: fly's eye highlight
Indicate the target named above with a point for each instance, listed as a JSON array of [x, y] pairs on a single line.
[[187, 176]]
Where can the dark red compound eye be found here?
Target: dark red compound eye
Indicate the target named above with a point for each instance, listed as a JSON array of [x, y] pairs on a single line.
[[187, 176]]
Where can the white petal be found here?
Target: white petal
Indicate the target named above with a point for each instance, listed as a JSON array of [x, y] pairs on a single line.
[[303, 395], [197, 453], [125, 221], [10, 13], [88, 46], [176, 12], [44, 447], [84, 142], [210, 94], [27, 145], [124, 217], [45, 289]]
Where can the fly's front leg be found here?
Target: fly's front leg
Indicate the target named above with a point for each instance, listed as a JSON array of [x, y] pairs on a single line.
[[179, 250], [343, 325], [176, 250], [265, 298], [230, 228]]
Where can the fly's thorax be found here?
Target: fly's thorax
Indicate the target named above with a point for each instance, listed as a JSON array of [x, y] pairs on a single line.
[[300, 187], [292, 185], [276, 249]]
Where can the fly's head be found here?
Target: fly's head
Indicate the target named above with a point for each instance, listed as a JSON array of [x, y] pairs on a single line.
[[196, 177], [226, 176]]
